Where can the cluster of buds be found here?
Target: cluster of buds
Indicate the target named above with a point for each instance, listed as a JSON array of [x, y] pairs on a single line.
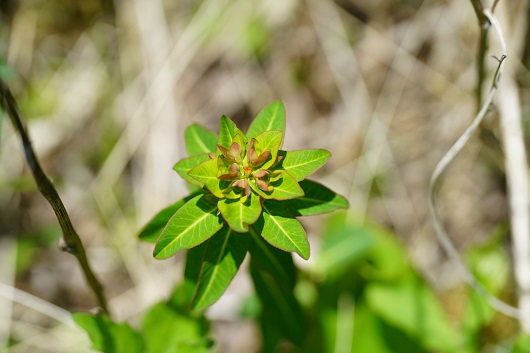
[[243, 167]]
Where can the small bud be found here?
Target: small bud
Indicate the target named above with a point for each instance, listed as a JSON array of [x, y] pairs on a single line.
[[262, 185], [260, 173]]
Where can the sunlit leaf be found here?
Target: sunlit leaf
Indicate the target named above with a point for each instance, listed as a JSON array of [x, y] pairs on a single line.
[[193, 223], [108, 336], [301, 164], [280, 229], [199, 140], [270, 141], [271, 117], [186, 164], [239, 215], [224, 253], [285, 188], [151, 231], [206, 173], [317, 199], [280, 307], [268, 258], [227, 131]]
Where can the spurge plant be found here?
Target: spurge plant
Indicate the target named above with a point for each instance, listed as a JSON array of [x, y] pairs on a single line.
[[244, 187]]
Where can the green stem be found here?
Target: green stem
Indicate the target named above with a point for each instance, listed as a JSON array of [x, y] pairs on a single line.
[[72, 242]]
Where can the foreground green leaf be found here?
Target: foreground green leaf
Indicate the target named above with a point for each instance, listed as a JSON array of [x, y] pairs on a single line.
[[280, 229], [317, 199], [268, 258], [151, 231], [192, 270], [410, 306], [165, 329], [206, 173], [301, 164], [185, 165], [240, 215], [281, 312], [193, 223], [271, 117], [199, 140], [224, 254], [108, 336]]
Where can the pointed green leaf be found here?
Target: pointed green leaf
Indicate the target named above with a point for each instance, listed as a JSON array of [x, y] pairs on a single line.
[[108, 336], [192, 270], [151, 231], [282, 230], [301, 164], [281, 308], [166, 329], [317, 199], [194, 223], [206, 173], [410, 305], [227, 131], [240, 215], [199, 140], [224, 254], [271, 117], [284, 188], [272, 141], [268, 258], [185, 165]]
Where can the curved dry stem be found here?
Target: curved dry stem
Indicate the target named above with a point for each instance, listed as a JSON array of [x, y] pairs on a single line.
[[71, 242], [442, 165]]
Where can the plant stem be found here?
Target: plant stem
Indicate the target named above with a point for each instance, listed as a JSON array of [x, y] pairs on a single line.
[[71, 242], [482, 48]]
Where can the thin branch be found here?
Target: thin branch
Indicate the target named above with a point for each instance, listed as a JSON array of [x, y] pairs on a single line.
[[71, 242], [449, 157], [484, 25]]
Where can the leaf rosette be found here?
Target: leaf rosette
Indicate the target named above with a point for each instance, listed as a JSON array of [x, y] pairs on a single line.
[[243, 186]]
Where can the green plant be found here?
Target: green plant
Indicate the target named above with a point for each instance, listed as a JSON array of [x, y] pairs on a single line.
[[245, 188]]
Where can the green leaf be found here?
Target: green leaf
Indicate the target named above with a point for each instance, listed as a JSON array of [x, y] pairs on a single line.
[[108, 336], [227, 131], [272, 141], [301, 164], [240, 215], [282, 312], [165, 329], [410, 306], [342, 249], [185, 165], [151, 231], [317, 199], [206, 173], [194, 223], [280, 229], [284, 188], [200, 140], [271, 117], [224, 254], [268, 258], [192, 270]]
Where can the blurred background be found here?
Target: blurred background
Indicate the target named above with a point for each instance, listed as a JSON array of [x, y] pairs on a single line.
[[108, 88]]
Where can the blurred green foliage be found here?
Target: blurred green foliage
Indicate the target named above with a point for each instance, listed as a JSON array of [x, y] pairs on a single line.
[[362, 295]]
